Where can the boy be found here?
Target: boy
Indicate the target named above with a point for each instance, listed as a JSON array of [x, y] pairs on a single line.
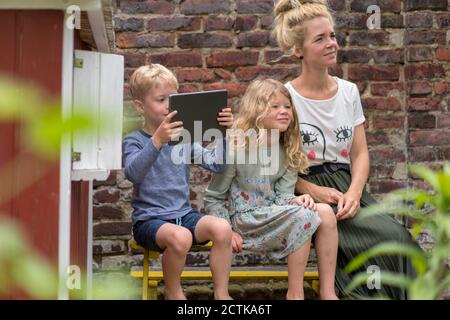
[[163, 219]]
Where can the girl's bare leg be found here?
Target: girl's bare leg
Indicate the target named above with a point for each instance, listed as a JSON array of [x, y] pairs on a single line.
[[296, 268]]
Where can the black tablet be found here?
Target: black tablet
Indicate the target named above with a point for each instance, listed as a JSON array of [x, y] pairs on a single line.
[[198, 111]]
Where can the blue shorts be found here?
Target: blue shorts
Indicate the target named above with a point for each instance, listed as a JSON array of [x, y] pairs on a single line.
[[144, 232]]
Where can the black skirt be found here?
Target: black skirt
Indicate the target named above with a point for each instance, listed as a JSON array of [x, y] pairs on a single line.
[[359, 235]]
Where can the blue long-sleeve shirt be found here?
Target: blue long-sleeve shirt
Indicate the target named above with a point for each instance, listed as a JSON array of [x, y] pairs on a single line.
[[161, 177]]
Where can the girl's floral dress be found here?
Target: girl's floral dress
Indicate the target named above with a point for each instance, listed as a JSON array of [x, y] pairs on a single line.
[[258, 206]]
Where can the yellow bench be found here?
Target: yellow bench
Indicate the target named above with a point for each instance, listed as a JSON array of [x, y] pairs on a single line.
[[150, 278]]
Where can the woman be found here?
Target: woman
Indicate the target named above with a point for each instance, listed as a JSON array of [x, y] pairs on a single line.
[[331, 125]]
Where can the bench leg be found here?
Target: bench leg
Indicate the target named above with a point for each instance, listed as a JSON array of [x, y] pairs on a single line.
[[145, 294], [153, 285], [315, 285]]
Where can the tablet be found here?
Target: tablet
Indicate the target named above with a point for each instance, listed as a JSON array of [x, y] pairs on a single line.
[[198, 111]]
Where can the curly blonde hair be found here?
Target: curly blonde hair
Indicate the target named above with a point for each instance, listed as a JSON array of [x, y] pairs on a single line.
[[290, 16], [254, 107]]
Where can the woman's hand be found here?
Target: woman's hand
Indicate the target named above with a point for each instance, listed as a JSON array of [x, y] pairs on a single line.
[[348, 205], [236, 242], [306, 201], [327, 195], [225, 118]]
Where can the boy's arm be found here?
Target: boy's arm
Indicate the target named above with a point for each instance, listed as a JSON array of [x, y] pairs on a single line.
[[284, 188], [212, 160], [138, 159], [217, 193]]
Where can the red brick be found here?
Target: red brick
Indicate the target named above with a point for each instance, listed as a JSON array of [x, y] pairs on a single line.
[[270, 56], [418, 120], [174, 23], [107, 212], [105, 196], [390, 103], [205, 6], [362, 86], [422, 104], [350, 20], [336, 70], [382, 171], [250, 73], [423, 71], [388, 122], [429, 138], [128, 24], [367, 72], [385, 5], [133, 59], [443, 20], [155, 7], [219, 23], [375, 138], [112, 229], [369, 37], [384, 89], [266, 22], [443, 153], [421, 154], [253, 39], [185, 88], [419, 87], [336, 5], [425, 37], [420, 54], [441, 87], [232, 58], [419, 20], [204, 40], [411, 5], [251, 6], [196, 75], [234, 89], [145, 40], [178, 59], [388, 56], [386, 155], [385, 186], [443, 54], [444, 121], [223, 74], [392, 21], [354, 55], [245, 23]]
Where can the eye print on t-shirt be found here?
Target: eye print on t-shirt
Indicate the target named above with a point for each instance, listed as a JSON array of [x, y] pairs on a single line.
[[314, 141], [344, 136]]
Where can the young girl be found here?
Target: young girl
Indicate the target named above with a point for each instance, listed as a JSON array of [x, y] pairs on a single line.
[[263, 211]]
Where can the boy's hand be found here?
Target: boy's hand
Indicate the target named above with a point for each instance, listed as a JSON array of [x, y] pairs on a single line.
[[225, 118], [167, 130], [306, 201]]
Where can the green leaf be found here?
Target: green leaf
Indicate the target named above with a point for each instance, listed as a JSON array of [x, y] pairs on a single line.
[[384, 208], [426, 174], [419, 258], [386, 278]]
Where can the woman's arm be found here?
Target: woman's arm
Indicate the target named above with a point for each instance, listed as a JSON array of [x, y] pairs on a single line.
[[359, 154]]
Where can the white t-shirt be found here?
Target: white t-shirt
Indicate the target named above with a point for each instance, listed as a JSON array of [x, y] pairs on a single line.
[[327, 126]]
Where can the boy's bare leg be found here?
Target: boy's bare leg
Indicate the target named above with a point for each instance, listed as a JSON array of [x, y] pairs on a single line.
[[296, 268], [219, 232], [326, 244], [176, 241]]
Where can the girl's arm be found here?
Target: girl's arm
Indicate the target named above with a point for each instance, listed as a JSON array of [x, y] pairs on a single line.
[[349, 205], [284, 188], [217, 193], [318, 193]]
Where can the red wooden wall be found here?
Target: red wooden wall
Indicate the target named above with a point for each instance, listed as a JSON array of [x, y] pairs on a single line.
[[31, 49]]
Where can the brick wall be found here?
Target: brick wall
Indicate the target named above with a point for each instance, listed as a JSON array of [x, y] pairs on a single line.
[[402, 71]]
